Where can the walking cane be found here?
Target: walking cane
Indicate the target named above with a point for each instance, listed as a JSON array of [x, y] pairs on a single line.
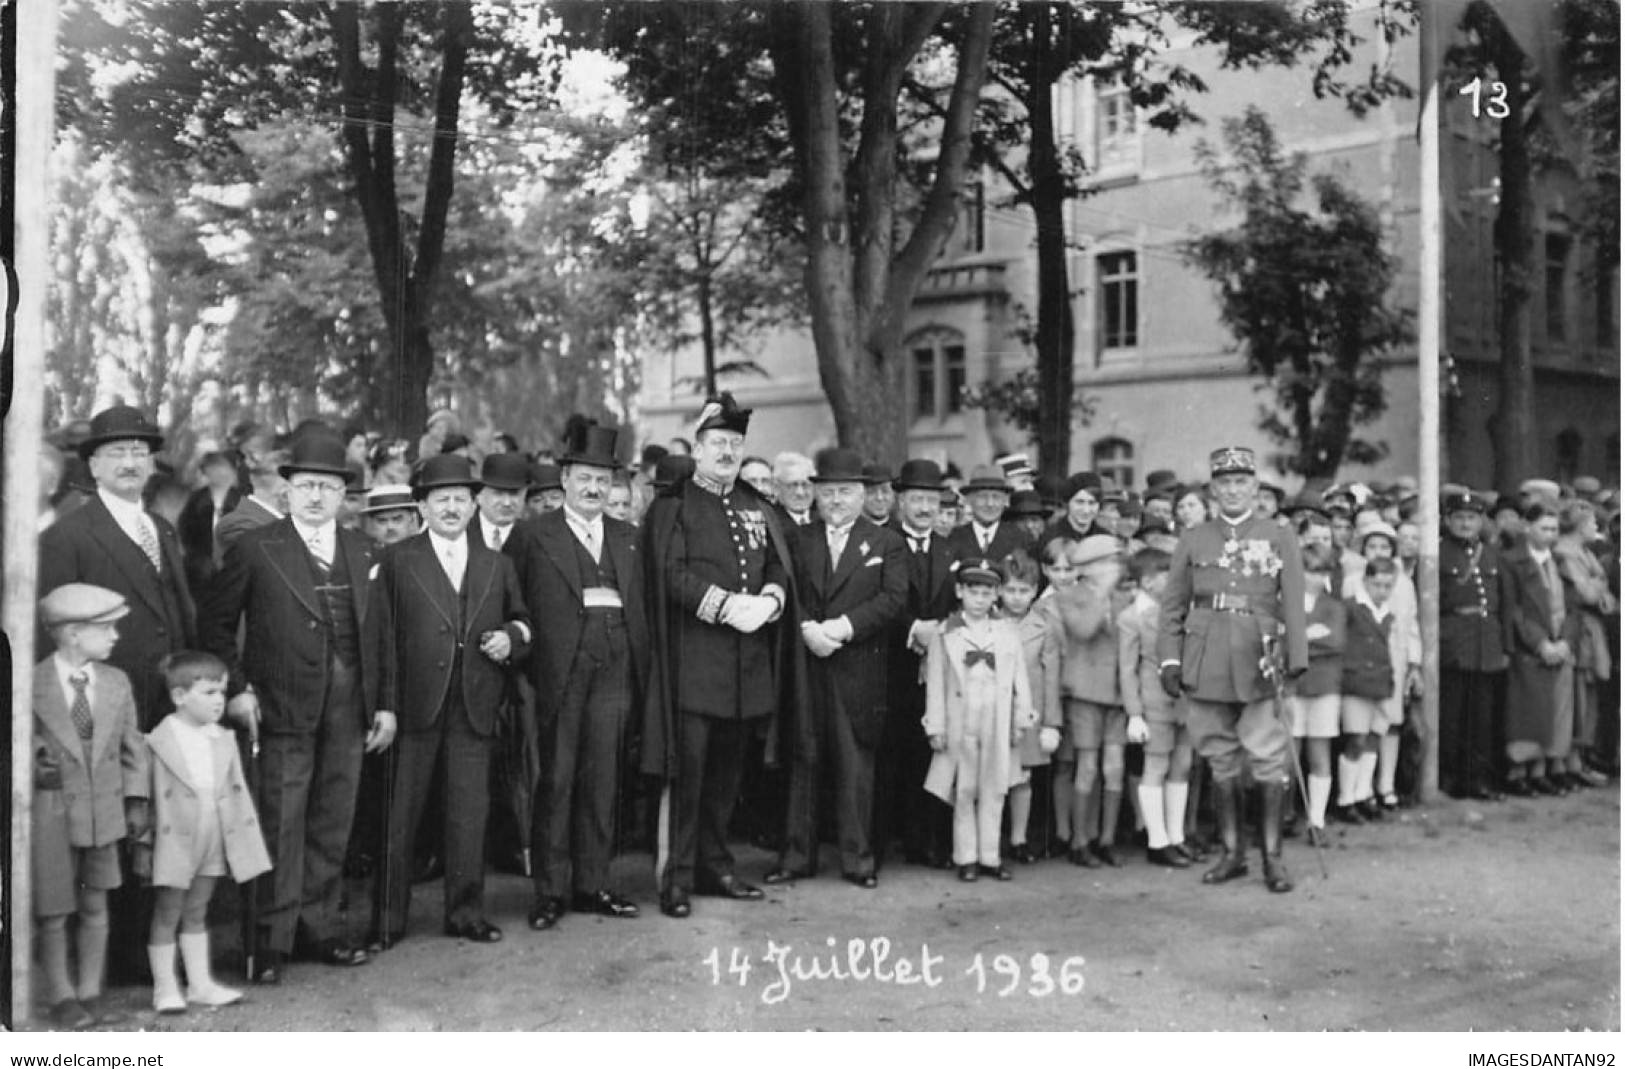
[[251, 898], [1270, 665]]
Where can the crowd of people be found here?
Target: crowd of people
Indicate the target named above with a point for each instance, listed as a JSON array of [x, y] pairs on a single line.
[[334, 654]]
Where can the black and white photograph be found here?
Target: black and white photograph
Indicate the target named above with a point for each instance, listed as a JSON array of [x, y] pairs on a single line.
[[842, 516]]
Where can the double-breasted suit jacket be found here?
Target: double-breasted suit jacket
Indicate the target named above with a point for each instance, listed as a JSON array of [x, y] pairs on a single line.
[[426, 634], [88, 546], [178, 799], [543, 551]]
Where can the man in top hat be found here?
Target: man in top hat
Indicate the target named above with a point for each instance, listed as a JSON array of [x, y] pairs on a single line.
[[924, 822], [852, 576], [1234, 596], [721, 583], [113, 542], [448, 623], [582, 573], [303, 681], [390, 514], [987, 535], [1472, 660]]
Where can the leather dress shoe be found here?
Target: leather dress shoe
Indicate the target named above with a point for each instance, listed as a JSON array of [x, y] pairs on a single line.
[[1167, 857], [729, 886], [1024, 853], [1347, 814], [865, 880], [996, 872], [378, 942], [1083, 857], [1543, 785], [545, 914], [603, 903], [1371, 809], [1193, 851], [71, 1014], [1519, 788], [334, 952], [1107, 856], [674, 903], [480, 931], [968, 873], [268, 967], [779, 876]]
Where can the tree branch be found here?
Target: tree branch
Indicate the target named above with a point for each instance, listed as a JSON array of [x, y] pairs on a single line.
[[442, 158]]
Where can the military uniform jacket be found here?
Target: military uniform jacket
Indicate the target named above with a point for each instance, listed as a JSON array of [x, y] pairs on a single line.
[[1257, 563], [268, 581], [869, 586], [423, 631], [1470, 637]]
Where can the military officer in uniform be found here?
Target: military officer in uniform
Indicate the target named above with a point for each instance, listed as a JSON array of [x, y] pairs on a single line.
[[1234, 596], [1472, 661], [720, 580]]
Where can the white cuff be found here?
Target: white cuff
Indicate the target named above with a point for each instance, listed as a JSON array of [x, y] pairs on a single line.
[[711, 605]]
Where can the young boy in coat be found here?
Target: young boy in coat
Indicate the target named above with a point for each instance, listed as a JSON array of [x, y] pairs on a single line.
[[1041, 643], [90, 791], [206, 827]]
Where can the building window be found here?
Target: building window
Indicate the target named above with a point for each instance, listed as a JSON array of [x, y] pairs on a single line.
[[1118, 274], [1557, 278], [1116, 132], [1569, 443], [1113, 460], [972, 224], [938, 375]]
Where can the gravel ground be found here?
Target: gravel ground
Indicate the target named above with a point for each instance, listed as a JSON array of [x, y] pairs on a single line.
[[1453, 917]]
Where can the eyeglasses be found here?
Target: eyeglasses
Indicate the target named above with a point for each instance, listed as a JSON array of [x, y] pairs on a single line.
[[124, 452], [312, 487]]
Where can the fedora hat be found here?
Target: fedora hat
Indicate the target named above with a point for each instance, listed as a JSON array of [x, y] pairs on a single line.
[[387, 497], [589, 444], [320, 452], [1161, 478], [121, 423], [447, 469], [838, 465], [986, 477], [918, 475], [505, 471]]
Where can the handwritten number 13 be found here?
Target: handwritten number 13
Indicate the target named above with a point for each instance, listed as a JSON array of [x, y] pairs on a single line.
[[1494, 105]]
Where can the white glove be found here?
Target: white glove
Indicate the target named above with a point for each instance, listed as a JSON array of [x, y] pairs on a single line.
[[746, 613], [1137, 730], [1049, 739], [817, 640]]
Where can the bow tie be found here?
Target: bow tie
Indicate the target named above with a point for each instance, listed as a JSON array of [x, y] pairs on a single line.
[[984, 656]]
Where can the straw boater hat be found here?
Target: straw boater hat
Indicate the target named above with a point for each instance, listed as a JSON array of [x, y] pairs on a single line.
[[387, 497]]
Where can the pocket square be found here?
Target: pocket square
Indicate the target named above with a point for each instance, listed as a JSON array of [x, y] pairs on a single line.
[[871, 562]]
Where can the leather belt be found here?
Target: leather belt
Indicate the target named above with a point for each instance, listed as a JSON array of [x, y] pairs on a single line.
[[1244, 603], [601, 597]]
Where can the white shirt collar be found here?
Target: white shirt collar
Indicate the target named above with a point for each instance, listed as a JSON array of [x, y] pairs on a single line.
[[64, 671], [581, 522], [327, 533], [1540, 556], [841, 531], [985, 528], [1237, 521], [127, 513], [1377, 611], [443, 545]]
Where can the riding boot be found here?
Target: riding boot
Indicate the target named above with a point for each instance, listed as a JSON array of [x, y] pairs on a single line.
[[1227, 803], [1273, 796]]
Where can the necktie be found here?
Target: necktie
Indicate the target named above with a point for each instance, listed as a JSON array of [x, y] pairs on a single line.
[[918, 544], [837, 544], [82, 722], [496, 539], [1554, 591], [149, 543], [983, 537]]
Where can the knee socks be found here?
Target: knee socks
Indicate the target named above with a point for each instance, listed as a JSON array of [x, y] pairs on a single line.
[[1387, 763], [1174, 799], [1320, 792], [53, 955], [1151, 807]]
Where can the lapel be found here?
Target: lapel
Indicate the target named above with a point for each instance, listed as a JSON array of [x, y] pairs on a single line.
[[354, 548], [167, 749], [51, 708], [956, 645], [560, 545], [816, 539], [851, 554], [431, 578], [129, 558], [287, 553], [620, 550], [482, 569]]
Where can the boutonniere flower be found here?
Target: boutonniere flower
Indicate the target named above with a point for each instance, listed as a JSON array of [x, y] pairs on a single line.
[[863, 548]]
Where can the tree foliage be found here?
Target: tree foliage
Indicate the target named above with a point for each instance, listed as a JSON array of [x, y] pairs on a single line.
[[1305, 292]]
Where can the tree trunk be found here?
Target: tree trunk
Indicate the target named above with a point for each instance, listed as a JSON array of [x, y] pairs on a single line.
[[1055, 337], [708, 328], [1512, 427]]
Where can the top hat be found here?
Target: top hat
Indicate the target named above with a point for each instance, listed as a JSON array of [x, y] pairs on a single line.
[[1026, 503], [81, 603], [876, 474], [986, 477], [505, 471], [838, 465], [386, 497], [722, 412], [1231, 460], [447, 469], [319, 452], [977, 570], [589, 444], [1464, 501], [918, 475], [121, 423], [545, 477]]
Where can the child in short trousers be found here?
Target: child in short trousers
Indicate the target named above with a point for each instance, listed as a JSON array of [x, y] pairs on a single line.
[[1317, 702], [1058, 575], [1367, 683], [1041, 642], [90, 791], [977, 704], [206, 828]]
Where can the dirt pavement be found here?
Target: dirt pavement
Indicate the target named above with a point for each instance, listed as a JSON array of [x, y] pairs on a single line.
[[1454, 917]]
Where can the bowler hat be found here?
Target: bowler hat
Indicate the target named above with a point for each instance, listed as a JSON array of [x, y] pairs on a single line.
[[838, 465], [918, 475], [445, 470], [545, 477], [81, 603], [386, 497], [121, 423], [1160, 479], [876, 474], [1231, 460], [505, 471], [722, 412], [1026, 503], [589, 444], [986, 477], [321, 452]]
